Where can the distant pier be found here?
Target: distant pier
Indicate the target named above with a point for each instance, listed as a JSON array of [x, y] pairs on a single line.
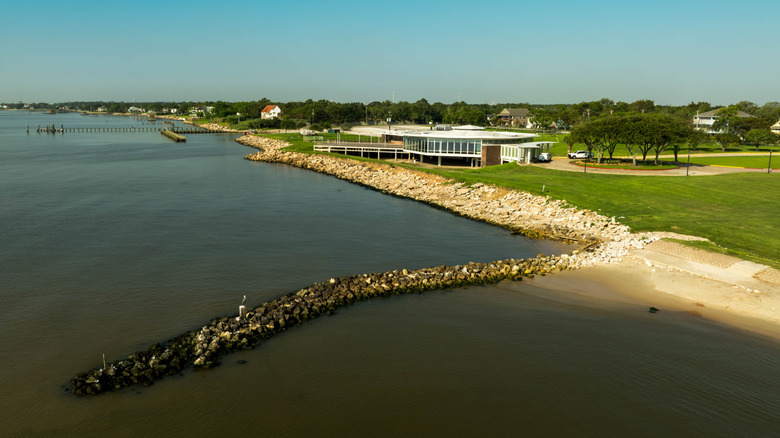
[[52, 129], [173, 136]]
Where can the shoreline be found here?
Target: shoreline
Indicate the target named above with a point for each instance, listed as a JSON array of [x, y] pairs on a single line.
[[606, 246], [612, 249], [635, 281]]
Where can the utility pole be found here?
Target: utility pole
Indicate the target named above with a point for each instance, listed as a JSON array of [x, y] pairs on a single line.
[[687, 167]]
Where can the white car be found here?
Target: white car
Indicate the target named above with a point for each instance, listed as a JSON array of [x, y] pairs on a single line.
[[544, 157], [580, 154]]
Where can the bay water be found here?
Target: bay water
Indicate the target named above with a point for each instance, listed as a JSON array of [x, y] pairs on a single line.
[[111, 241]]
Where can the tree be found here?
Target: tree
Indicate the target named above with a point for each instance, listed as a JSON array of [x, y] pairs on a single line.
[[643, 133], [760, 136], [725, 115], [611, 134], [602, 134], [569, 140], [746, 106], [542, 119], [669, 132], [741, 125], [586, 134], [694, 139], [643, 106], [726, 140]]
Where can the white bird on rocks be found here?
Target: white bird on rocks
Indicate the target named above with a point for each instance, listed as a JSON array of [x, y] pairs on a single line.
[[244, 300]]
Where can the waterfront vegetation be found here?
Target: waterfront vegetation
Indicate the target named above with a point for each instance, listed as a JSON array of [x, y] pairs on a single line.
[[737, 212]]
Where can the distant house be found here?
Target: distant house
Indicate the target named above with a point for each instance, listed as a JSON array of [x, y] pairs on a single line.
[[134, 109], [775, 128], [704, 121], [516, 117], [170, 110], [196, 110], [102, 109], [270, 112]]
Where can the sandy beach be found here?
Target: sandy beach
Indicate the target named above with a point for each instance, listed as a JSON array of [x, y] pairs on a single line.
[[642, 278]]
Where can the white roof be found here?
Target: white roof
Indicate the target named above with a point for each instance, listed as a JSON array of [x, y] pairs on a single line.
[[464, 134], [468, 128], [533, 144]]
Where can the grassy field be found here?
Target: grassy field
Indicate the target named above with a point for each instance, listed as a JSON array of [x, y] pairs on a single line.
[[738, 212], [560, 149], [758, 162]]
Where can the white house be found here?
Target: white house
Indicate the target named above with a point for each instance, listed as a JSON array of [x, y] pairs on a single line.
[[270, 112], [704, 121], [134, 109], [516, 117], [775, 128], [200, 109]]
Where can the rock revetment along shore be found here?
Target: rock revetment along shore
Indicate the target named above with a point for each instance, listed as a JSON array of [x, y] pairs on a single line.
[[521, 212], [601, 240]]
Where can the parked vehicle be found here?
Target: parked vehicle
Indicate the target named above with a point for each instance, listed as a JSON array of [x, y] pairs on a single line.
[[580, 154], [544, 157]]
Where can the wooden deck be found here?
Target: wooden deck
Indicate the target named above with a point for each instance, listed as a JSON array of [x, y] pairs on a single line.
[[363, 149]]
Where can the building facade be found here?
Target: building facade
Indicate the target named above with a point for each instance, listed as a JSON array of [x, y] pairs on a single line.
[[775, 128], [270, 112], [514, 117], [476, 147], [705, 121]]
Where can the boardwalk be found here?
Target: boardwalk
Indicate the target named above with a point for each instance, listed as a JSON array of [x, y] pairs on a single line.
[[363, 149]]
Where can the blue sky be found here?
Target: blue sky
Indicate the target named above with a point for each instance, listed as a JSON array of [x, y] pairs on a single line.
[[672, 52]]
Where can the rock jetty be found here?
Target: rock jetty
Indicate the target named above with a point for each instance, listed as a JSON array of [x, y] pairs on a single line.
[[203, 348]]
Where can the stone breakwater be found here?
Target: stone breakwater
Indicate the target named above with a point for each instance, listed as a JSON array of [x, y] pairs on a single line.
[[203, 348], [521, 212]]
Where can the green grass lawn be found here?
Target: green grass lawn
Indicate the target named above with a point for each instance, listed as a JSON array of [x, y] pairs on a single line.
[[759, 162], [738, 212], [626, 164], [560, 149]]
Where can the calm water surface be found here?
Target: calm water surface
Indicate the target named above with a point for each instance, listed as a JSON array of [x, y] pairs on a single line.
[[112, 241]]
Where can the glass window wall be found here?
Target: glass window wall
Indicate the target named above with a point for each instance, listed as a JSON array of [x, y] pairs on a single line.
[[443, 145]]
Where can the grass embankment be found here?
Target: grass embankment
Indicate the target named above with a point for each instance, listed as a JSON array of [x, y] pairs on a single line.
[[756, 162], [738, 212]]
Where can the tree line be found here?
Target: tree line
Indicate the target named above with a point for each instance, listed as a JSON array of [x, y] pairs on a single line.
[[322, 114]]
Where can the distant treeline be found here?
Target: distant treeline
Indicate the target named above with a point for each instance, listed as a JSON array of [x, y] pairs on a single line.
[[325, 113]]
